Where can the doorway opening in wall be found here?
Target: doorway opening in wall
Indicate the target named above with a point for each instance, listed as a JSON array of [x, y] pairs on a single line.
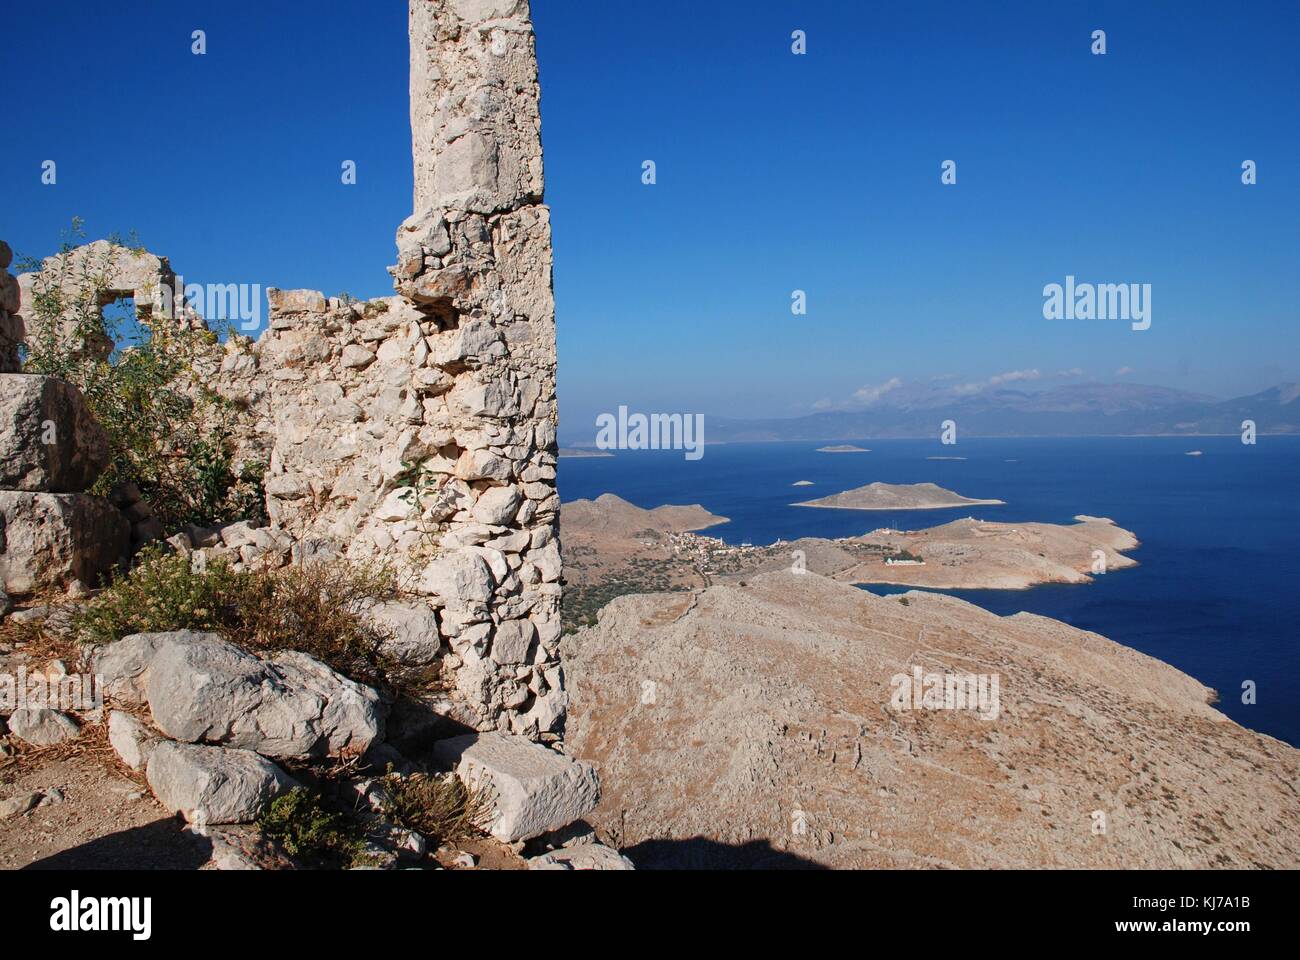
[[122, 325]]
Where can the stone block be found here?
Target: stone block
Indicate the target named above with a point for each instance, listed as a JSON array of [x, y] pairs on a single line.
[[51, 539], [49, 440], [533, 789]]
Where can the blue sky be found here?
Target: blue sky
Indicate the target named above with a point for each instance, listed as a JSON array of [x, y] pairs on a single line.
[[775, 172]]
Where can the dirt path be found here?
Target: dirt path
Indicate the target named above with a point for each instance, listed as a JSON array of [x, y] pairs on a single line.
[[92, 818]]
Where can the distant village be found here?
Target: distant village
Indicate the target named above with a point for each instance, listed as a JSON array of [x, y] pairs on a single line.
[[715, 556]]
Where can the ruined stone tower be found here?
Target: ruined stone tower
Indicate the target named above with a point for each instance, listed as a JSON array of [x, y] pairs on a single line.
[[475, 256], [419, 429]]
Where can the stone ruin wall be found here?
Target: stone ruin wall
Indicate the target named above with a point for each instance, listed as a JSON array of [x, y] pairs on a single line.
[[52, 533], [419, 429], [443, 395]]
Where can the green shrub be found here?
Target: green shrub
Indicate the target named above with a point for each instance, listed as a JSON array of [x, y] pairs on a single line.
[[163, 592], [306, 830], [167, 432], [316, 609]]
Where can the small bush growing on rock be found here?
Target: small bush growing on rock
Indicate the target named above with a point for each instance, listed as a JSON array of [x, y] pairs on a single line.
[[440, 808], [306, 830], [316, 609], [162, 592], [167, 433]]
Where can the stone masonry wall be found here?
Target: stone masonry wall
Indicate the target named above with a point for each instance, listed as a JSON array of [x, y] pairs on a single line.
[[52, 534], [420, 428], [11, 324]]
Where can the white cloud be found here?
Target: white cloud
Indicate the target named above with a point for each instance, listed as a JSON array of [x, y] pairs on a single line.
[[1011, 376], [1124, 371], [871, 393]]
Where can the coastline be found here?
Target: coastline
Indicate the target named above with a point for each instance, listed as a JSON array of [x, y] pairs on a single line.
[[929, 506]]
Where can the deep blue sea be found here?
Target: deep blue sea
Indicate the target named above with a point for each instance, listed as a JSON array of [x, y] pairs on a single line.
[[1216, 592]]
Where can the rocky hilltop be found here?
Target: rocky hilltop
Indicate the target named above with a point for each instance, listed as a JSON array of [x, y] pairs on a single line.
[[896, 496], [752, 726], [611, 515]]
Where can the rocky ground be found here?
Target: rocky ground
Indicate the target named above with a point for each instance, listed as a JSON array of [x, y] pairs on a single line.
[[195, 738], [752, 726]]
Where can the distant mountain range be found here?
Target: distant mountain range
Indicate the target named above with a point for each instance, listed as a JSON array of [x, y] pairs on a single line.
[[1092, 409]]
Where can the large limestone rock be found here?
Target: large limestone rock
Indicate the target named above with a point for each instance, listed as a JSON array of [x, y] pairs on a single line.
[[41, 726], [49, 539], [203, 689], [49, 440], [410, 630], [587, 856], [534, 789], [213, 785]]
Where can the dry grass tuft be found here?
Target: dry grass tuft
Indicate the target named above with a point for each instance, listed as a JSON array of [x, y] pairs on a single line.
[[91, 744], [439, 807]]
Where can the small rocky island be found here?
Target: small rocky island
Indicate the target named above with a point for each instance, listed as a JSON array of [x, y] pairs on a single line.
[[896, 496], [843, 448], [582, 452]]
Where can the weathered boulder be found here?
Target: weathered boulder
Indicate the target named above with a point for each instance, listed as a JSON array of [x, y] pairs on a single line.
[[122, 666], [212, 784], [51, 539], [588, 856], [512, 640], [533, 789], [41, 726], [295, 301], [203, 689], [49, 440], [131, 738], [497, 505]]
